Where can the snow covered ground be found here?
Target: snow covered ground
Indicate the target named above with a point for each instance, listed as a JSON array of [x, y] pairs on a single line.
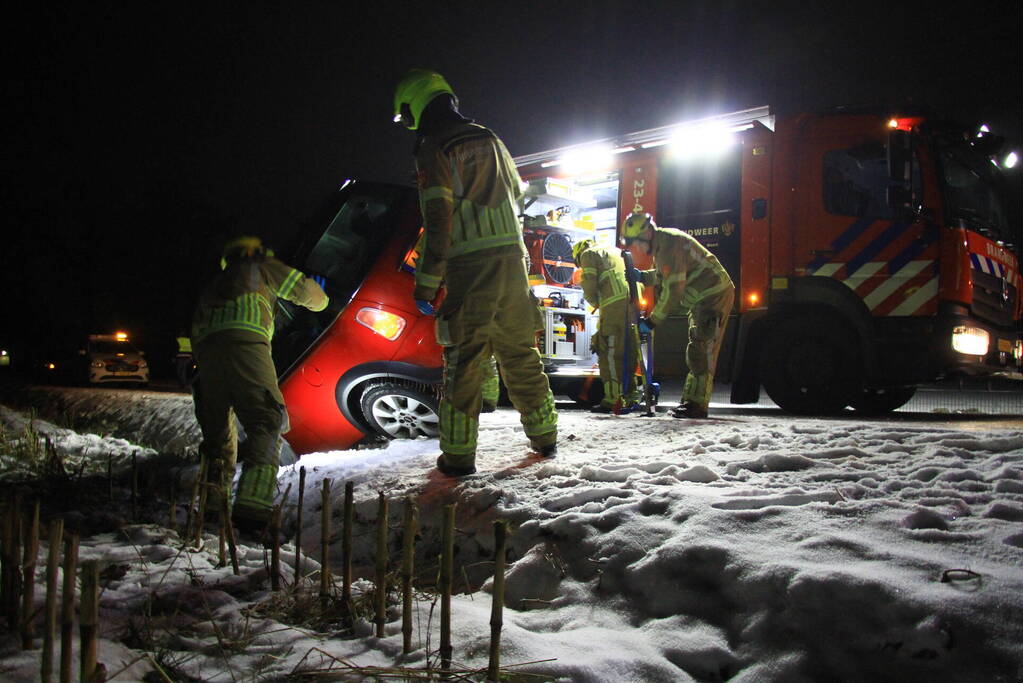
[[751, 547]]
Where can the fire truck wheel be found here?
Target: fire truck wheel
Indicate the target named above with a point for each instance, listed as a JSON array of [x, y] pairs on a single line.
[[809, 366], [400, 412], [882, 400]]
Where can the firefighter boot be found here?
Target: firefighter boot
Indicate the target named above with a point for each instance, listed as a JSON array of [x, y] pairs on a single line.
[[460, 467], [253, 503], [687, 410]]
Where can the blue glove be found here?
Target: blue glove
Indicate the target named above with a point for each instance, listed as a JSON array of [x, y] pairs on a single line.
[[645, 326], [635, 274], [425, 307], [320, 280]]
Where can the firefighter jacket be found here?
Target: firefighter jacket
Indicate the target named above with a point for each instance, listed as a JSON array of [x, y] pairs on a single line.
[[243, 296], [603, 276], [685, 273], [468, 194]]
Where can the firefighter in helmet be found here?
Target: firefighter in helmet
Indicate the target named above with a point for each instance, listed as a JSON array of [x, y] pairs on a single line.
[[688, 278], [468, 192], [231, 332], [605, 288]]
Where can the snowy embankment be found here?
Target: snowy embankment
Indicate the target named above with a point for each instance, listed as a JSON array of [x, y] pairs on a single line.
[[752, 547]]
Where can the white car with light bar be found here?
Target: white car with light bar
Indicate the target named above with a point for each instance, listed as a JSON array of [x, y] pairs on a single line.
[[114, 358]]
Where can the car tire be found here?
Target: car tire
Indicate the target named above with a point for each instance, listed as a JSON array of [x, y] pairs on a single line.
[[882, 400], [400, 412], [809, 366]]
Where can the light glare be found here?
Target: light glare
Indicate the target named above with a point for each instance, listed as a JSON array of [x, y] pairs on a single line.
[[701, 141], [584, 159], [972, 341]]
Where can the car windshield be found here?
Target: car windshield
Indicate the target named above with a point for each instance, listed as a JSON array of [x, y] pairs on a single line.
[[973, 190], [111, 347], [339, 250]]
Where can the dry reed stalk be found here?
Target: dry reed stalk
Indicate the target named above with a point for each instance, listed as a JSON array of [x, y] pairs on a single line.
[[446, 576], [346, 544], [275, 548], [12, 563], [204, 468], [67, 606], [28, 581], [497, 607], [298, 528], [380, 597], [325, 545], [88, 620], [407, 566], [52, 567]]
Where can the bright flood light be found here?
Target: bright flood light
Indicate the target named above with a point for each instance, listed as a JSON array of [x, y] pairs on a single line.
[[701, 141], [1011, 160], [972, 341], [589, 158], [387, 325]]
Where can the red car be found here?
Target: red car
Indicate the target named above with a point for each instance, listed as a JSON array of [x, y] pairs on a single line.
[[370, 364]]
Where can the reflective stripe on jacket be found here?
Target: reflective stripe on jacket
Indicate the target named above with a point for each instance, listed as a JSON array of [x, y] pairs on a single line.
[[242, 297], [684, 271], [468, 194], [603, 276]]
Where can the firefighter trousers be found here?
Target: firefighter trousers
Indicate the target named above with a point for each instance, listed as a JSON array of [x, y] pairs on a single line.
[[707, 320], [488, 311], [237, 378], [610, 348]]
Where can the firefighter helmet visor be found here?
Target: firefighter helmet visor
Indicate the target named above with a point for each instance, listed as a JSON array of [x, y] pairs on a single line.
[[416, 90]]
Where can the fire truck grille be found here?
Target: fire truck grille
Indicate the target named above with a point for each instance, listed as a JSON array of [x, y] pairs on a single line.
[[994, 300]]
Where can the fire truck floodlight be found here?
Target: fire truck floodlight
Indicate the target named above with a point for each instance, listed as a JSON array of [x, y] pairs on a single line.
[[701, 141], [972, 341], [589, 158], [1010, 161]]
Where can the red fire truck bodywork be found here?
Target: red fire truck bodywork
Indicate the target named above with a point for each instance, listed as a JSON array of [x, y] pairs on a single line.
[[849, 292]]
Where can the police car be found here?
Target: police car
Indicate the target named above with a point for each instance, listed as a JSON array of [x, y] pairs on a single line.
[[113, 358]]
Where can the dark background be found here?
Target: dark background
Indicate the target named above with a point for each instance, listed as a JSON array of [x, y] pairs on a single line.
[[142, 135]]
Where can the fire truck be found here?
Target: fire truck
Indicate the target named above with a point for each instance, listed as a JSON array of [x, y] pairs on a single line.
[[870, 248]]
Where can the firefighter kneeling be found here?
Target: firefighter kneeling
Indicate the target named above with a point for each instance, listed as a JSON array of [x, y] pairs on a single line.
[[688, 278], [605, 288], [231, 331]]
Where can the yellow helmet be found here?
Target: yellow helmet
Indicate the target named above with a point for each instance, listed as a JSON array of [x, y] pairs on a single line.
[[243, 247], [416, 90], [636, 224], [579, 247]]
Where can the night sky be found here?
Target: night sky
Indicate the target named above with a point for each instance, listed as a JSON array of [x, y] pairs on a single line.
[[141, 134]]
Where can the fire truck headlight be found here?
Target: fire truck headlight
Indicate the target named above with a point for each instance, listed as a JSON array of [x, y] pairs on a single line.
[[970, 340]]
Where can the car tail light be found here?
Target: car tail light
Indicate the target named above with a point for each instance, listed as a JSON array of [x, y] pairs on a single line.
[[387, 325]]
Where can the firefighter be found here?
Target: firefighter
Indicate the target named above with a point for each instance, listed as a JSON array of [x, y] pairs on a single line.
[[468, 192], [688, 278], [605, 288], [231, 332], [183, 361]]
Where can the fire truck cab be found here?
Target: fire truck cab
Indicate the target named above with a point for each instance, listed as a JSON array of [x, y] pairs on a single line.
[[870, 249]]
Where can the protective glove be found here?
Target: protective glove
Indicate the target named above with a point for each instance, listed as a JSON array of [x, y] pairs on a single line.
[[646, 326], [425, 307], [635, 274]]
